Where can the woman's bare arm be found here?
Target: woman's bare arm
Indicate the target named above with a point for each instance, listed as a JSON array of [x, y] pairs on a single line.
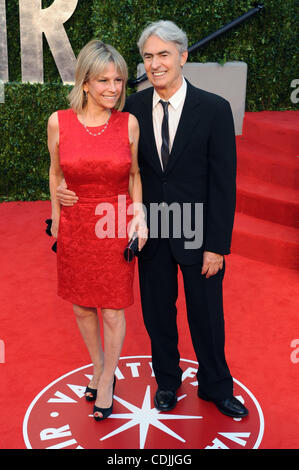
[[55, 171]]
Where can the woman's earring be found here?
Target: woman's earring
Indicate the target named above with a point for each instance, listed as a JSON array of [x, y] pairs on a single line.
[[85, 96]]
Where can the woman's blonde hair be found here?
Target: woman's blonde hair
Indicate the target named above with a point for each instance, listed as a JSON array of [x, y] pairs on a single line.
[[92, 60]]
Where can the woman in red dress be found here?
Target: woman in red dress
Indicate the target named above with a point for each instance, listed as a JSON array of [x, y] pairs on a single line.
[[93, 146]]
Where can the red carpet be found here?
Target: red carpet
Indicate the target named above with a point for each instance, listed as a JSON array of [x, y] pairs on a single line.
[[42, 342], [267, 215]]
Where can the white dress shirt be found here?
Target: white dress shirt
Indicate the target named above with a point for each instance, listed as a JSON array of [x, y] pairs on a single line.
[[176, 103]]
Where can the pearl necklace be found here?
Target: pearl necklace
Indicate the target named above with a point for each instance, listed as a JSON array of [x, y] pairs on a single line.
[[101, 131]]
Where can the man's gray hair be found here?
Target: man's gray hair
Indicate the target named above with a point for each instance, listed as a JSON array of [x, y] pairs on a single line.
[[167, 31]]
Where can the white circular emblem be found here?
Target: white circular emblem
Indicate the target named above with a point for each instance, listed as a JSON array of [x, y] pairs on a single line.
[[59, 417]]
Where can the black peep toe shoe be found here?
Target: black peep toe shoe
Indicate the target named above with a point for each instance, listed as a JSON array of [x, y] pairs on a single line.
[[105, 411], [93, 392]]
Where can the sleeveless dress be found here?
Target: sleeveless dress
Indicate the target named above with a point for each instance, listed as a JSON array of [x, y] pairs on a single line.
[[92, 235]]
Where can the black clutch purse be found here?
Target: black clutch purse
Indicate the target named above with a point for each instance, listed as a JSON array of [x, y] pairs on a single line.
[[131, 249], [48, 232]]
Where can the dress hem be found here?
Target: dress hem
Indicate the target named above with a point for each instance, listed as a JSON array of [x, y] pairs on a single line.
[[95, 306]]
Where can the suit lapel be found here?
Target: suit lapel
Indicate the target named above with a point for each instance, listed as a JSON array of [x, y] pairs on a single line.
[[189, 119]]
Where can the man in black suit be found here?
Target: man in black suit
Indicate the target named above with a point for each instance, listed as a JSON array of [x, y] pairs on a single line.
[[187, 158]]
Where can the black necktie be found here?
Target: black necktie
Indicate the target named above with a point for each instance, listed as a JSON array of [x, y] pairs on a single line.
[[165, 135]]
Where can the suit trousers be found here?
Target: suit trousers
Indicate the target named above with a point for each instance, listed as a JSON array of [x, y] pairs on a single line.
[[158, 277]]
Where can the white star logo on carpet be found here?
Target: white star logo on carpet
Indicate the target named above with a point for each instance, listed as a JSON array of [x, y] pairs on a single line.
[[59, 417], [144, 417]]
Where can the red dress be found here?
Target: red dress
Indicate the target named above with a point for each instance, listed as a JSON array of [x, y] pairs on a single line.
[[92, 235]]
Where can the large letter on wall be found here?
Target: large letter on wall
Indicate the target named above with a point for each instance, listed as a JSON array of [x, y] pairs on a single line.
[[34, 21], [3, 44]]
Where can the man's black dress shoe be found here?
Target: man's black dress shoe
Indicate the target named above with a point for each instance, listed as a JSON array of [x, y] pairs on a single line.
[[229, 406], [165, 400]]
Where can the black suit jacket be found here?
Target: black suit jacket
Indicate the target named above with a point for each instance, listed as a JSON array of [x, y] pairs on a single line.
[[201, 169]]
